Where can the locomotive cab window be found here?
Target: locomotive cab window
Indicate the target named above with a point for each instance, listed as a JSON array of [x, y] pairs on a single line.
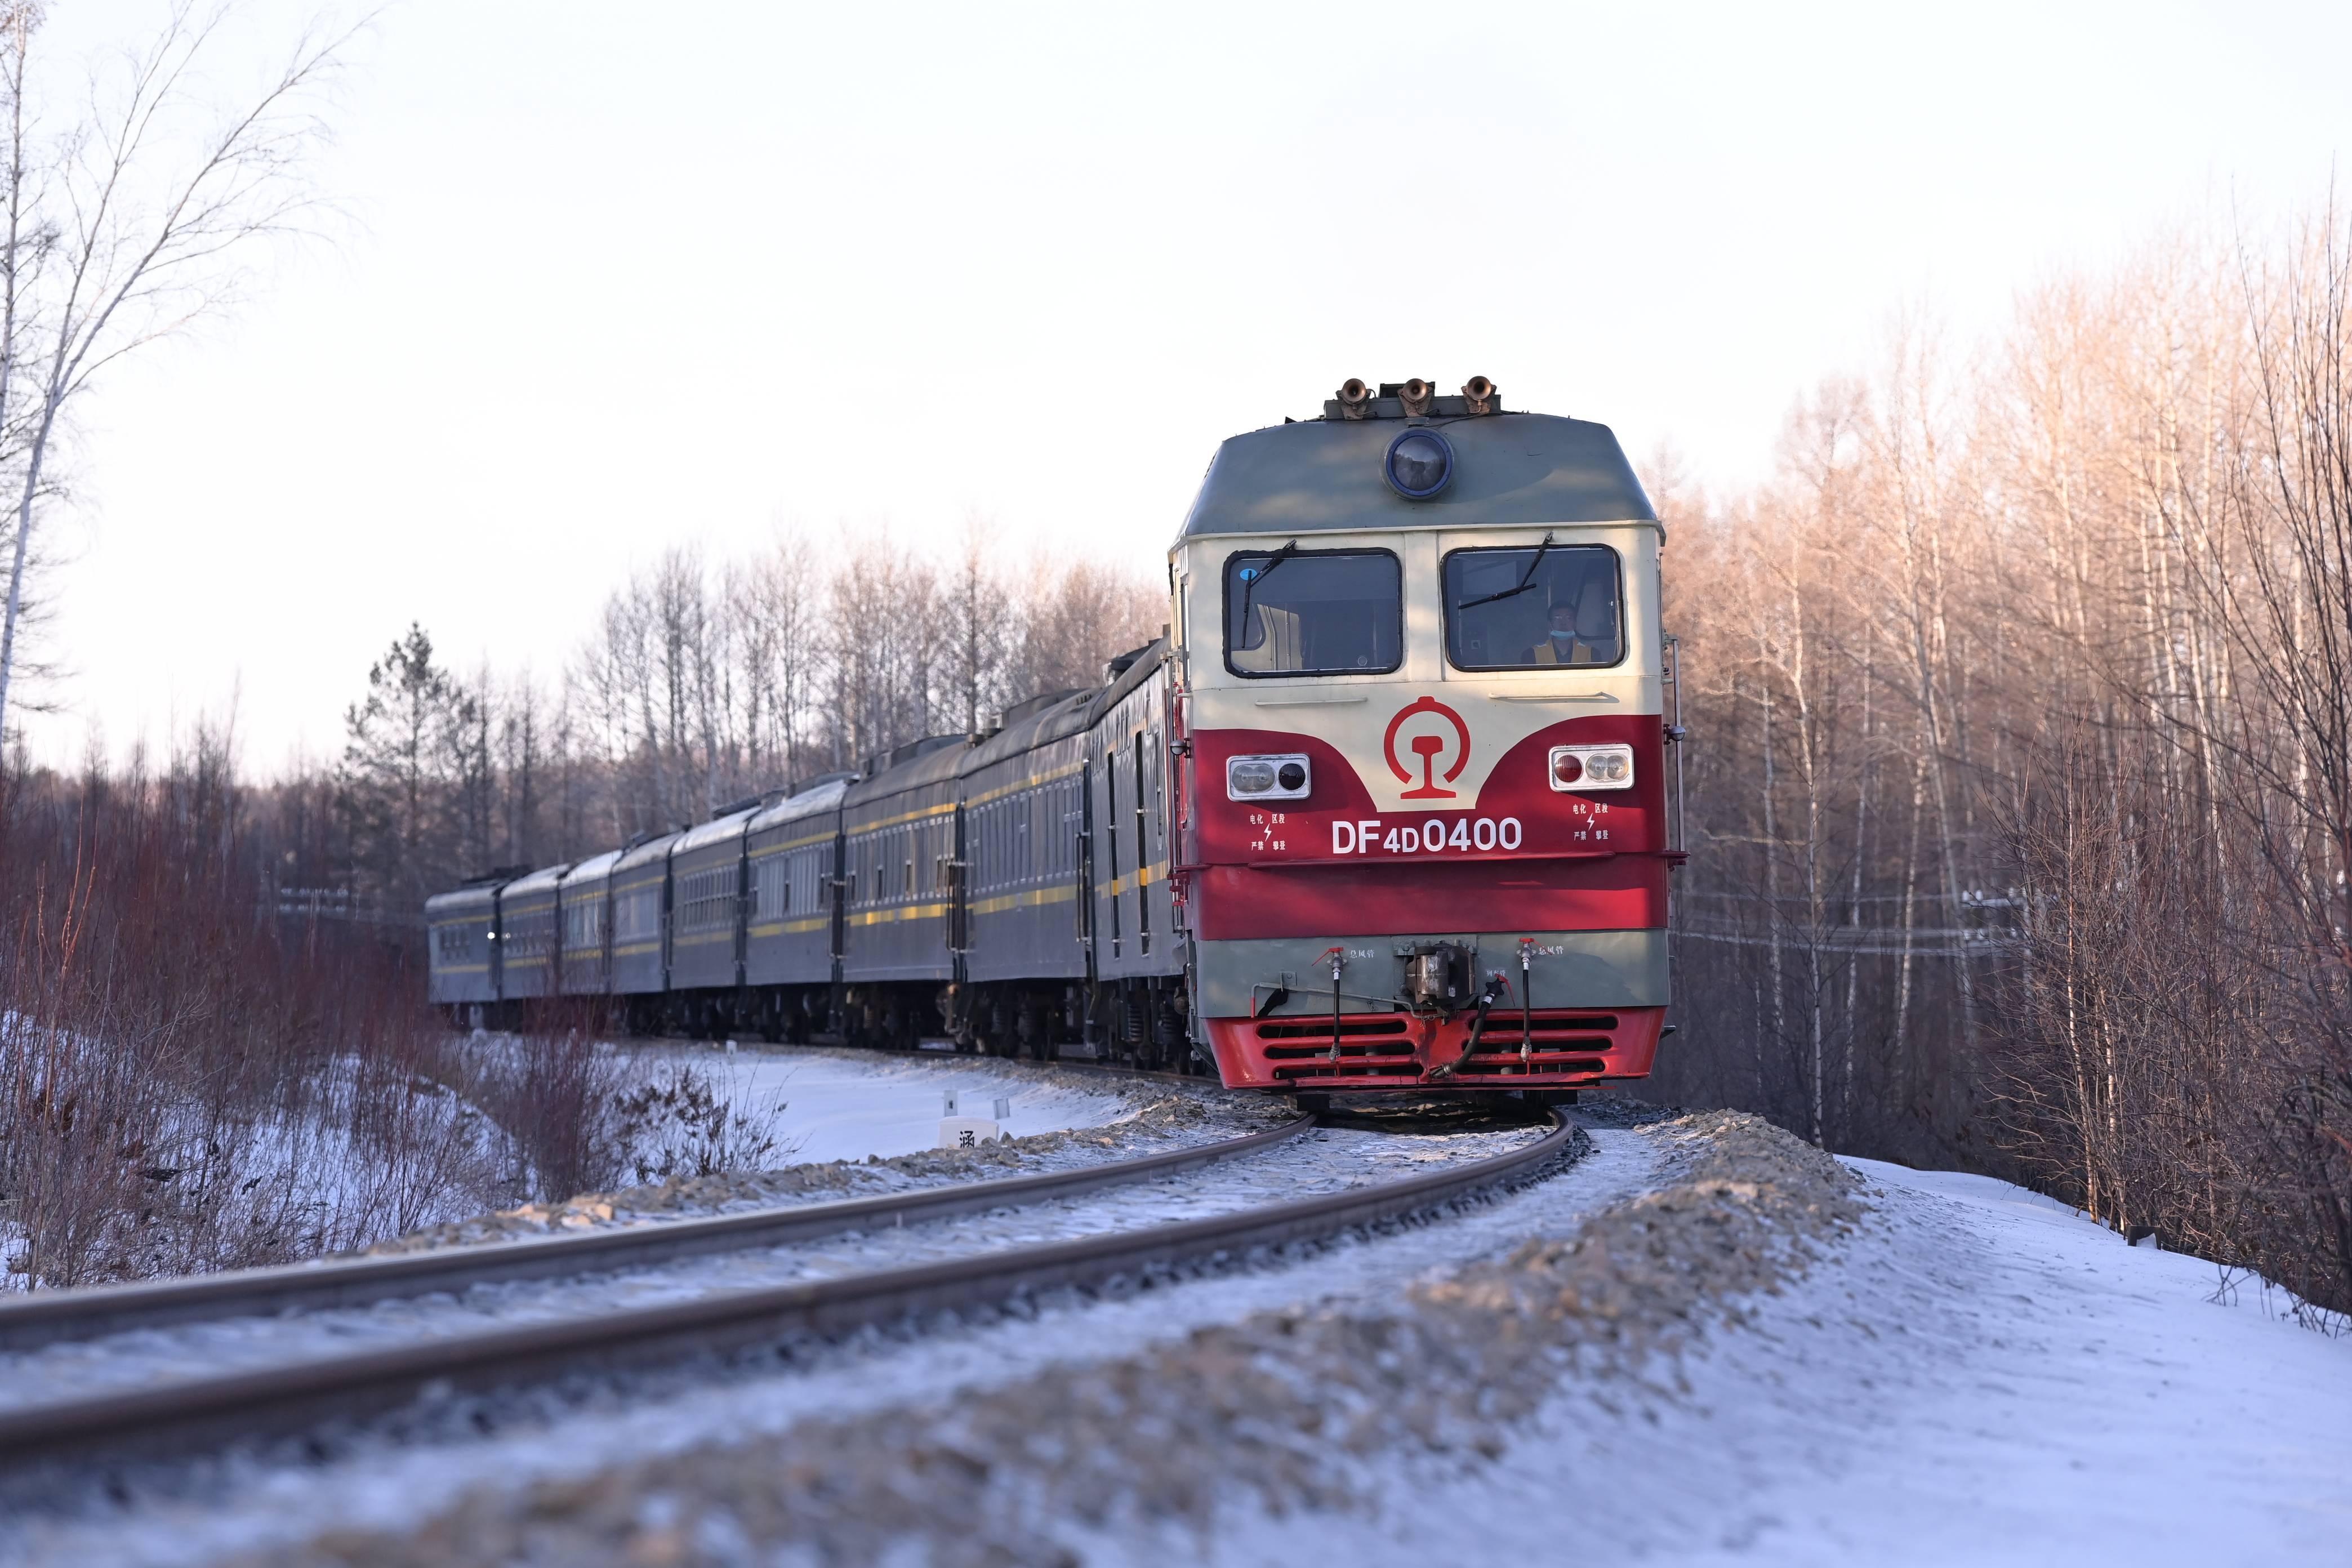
[[1536, 605], [1322, 612]]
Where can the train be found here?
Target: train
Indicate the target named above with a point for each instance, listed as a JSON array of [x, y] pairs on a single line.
[[1394, 803]]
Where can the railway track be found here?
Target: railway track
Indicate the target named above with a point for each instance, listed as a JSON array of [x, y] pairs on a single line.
[[54, 1316], [197, 1414]]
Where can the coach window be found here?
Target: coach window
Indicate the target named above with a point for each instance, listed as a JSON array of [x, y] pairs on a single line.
[[1319, 612], [1534, 606]]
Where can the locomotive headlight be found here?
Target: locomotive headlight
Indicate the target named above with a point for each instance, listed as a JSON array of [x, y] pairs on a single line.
[[1583, 768], [1420, 462], [1283, 776]]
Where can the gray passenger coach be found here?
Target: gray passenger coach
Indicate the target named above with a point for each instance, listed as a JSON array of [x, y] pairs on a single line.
[[792, 937], [585, 903], [640, 926], [898, 846], [527, 935], [705, 923], [463, 955], [1008, 890]]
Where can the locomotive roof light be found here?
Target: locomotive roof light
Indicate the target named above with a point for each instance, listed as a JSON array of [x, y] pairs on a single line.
[[1419, 464], [1586, 768], [1481, 396], [1416, 395], [1284, 775], [1355, 399]]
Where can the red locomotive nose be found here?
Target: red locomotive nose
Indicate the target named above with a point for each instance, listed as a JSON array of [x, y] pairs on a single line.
[[1566, 768]]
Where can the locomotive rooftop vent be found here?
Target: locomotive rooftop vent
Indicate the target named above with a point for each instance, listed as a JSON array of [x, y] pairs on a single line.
[[1281, 776]]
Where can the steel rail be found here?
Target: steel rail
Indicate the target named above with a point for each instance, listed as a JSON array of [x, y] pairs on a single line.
[[49, 1316], [174, 1419]]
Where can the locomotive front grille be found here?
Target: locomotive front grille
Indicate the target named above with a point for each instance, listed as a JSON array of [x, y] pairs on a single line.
[[1504, 1022], [1558, 1043], [1319, 1065], [1346, 1054], [1502, 1029], [1405, 1049], [1484, 1065], [1370, 1046], [1392, 1069], [1320, 1028], [1379, 1046]]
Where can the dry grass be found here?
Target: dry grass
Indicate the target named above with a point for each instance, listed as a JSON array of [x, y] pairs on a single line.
[[190, 1082]]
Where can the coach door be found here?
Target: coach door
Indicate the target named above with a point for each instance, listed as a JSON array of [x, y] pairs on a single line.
[[743, 905], [1140, 773], [957, 883], [498, 980], [836, 888], [1111, 819], [1076, 824]]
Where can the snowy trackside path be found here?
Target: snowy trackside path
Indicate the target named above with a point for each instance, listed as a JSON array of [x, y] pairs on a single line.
[[832, 1103], [2068, 1396], [1981, 1376], [853, 1124]]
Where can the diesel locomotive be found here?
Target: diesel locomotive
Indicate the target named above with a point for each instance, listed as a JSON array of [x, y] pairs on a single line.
[[1392, 803]]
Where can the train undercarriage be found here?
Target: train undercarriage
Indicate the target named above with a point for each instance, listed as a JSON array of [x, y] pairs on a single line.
[[1130, 1023]]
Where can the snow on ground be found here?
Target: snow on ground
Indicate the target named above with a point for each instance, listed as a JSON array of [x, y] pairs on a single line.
[[1983, 1376], [859, 1101], [387, 1488], [1974, 1374], [836, 1104], [1325, 1161]]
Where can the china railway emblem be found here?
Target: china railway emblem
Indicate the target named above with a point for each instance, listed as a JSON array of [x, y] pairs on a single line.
[[1428, 745]]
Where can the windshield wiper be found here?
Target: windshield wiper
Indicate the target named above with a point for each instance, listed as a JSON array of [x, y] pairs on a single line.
[[1249, 583], [1525, 583]]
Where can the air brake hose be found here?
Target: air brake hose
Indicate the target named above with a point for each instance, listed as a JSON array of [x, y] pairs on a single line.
[[1496, 986], [1526, 1004], [1338, 960]]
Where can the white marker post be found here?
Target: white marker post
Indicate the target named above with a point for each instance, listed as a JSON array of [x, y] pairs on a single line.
[[957, 1130]]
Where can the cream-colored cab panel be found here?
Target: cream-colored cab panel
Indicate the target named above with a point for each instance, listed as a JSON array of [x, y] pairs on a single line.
[[1424, 697]]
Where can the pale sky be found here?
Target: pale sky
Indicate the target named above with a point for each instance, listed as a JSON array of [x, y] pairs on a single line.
[[622, 277]]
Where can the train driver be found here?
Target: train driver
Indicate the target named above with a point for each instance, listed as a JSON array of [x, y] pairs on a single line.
[[1583, 625]]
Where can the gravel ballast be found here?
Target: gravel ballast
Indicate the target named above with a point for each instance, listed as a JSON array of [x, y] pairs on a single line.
[[1281, 1411], [1321, 1162]]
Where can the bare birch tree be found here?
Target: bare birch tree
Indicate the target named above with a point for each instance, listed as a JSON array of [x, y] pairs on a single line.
[[132, 221]]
